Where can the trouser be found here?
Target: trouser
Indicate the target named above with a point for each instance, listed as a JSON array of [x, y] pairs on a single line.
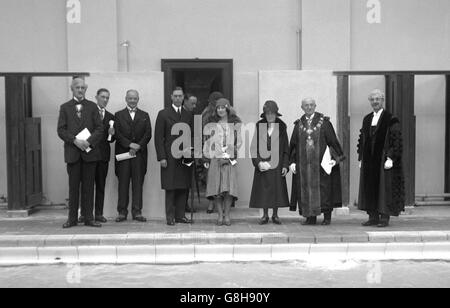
[[130, 170], [81, 173], [377, 217], [101, 172], [176, 204]]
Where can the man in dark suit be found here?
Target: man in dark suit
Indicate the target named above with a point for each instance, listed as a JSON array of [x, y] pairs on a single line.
[[175, 176], [133, 133], [80, 155], [101, 170]]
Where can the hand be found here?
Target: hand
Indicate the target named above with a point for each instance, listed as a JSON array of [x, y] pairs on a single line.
[[284, 172], [163, 164], [263, 166], [132, 152], [81, 144], [135, 146], [111, 131], [293, 168], [206, 165], [332, 163], [388, 164]]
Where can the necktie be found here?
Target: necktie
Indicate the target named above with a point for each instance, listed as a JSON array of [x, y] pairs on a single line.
[[102, 114], [79, 107], [132, 113], [179, 112]]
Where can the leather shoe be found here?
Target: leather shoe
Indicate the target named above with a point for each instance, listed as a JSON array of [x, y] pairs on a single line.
[[171, 223], [370, 223], [188, 210], [140, 219], [101, 219], [383, 224], [326, 222], [81, 220], [264, 221], [68, 225], [93, 224], [121, 218], [276, 220], [183, 220], [310, 221]]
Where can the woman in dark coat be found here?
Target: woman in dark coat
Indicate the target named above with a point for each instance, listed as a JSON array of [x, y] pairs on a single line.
[[269, 188]]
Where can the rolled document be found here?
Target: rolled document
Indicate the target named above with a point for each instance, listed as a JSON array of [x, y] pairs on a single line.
[[111, 125], [84, 135], [124, 156]]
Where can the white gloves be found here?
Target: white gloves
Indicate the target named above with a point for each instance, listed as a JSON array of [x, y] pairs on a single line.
[[388, 164], [332, 163], [264, 166], [293, 168]]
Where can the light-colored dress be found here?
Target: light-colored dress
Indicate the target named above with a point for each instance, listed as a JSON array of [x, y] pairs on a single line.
[[222, 178]]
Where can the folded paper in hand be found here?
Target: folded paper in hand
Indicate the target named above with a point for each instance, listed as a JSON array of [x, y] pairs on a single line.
[[124, 156], [84, 135], [326, 161]]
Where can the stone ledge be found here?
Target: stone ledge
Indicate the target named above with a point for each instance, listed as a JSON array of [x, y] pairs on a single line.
[[185, 254]]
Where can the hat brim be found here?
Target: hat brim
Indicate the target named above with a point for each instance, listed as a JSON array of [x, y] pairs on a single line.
[[263, 115]]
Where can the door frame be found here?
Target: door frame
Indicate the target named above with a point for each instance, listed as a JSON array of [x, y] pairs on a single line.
[[225, 65]]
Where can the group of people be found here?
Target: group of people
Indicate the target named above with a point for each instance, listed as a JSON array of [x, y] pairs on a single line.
[[313, 154]]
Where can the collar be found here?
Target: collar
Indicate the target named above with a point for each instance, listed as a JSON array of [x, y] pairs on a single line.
[[131, 109], [78, 101], [100, 108], [377, 114], [176, 108], [312, 117]]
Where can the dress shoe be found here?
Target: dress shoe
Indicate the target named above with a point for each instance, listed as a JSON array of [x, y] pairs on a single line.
[[68, 225], [188, 210], [81, 220], [183, 220], [121, 218], [209, 211], [326, 222], [219, 222], [93, 224], [140, 219], [227, 222], [276, 220], [101, 219], [264, 221], [383, 224], [171, 223], [310, 221], [370, 223]]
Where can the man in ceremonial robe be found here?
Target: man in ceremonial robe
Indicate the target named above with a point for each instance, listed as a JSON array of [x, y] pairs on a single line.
[[316, 190], [381, 189]]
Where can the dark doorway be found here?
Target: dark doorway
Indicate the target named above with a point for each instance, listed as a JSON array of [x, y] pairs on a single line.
[[199, 77]]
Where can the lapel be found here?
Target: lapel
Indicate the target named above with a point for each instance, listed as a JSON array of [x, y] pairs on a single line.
[[174, 115], [128, 116]]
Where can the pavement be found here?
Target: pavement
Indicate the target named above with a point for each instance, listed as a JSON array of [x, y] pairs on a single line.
[[422, 233]]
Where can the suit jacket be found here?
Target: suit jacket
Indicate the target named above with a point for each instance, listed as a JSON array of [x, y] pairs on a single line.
[[70, 125], [176, 175], [104, 145], [130, 131]]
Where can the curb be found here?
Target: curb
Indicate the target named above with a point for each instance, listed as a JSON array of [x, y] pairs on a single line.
[[208, 238], [187, 254]]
